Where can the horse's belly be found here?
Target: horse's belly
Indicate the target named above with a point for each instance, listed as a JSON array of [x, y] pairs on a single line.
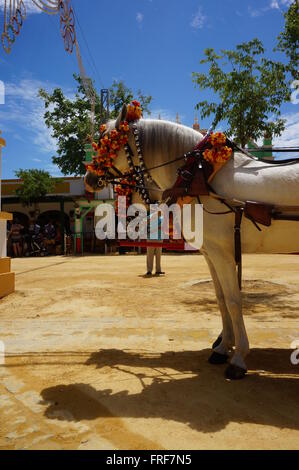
[[281, 237]]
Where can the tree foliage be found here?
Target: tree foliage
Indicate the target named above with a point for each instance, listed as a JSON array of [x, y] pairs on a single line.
[[36, 184], [120, 94], [288, 40], [250, 87], [69, 120]]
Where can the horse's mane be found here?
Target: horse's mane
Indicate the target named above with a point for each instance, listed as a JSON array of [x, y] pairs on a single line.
[[167, 138], [164, 138]]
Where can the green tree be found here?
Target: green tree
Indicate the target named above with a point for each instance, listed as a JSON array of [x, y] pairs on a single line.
[[120, 94], [69, 120], [250, 87], [288, 40], [35, 185]]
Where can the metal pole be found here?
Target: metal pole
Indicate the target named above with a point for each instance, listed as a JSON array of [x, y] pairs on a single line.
[[62, 224], [104, 105]]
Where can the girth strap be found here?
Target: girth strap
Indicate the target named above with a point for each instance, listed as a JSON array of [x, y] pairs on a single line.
[[238, 250]]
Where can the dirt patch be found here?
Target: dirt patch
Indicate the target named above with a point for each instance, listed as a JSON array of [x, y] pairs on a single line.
[[99, 357]]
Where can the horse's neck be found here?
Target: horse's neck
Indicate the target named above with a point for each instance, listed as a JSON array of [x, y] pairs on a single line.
[[163, 142], [241, 178], [246, 179]]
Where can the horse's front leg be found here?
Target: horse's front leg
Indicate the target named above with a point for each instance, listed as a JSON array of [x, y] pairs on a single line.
[[224, 265], [226, 339]]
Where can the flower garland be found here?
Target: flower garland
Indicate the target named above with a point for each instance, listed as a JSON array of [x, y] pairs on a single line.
[[108, 146], [125, 188], [134, 111], [219, 151]]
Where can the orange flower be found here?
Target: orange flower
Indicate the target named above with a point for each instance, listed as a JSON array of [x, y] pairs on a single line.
[[220, 153], [102, 151], [115, 146], [105, 140], [89, 167], [125, 127], [208, 155], [109, 144], [103, 128], [134, 111], [114, 134], [224, 154], [217, 139]]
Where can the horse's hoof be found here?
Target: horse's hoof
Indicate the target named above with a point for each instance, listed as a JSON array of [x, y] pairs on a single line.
[[217, 358], [234, 372], [217, 342]]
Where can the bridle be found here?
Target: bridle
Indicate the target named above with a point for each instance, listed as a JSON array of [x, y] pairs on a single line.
[[138, 172]]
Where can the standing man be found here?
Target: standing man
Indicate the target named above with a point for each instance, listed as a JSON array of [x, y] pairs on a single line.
[[50, 234], [155, 229], [16, 237]]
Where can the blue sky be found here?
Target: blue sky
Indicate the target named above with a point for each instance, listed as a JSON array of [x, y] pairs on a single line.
[[154, 45]]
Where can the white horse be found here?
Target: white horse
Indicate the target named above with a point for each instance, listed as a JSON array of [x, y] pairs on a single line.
[[242, 178]]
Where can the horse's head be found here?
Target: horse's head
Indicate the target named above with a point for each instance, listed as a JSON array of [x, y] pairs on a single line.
[[151, 145], [92, 181]]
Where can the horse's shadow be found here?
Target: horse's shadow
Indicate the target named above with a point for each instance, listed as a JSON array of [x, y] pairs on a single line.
[[184, 388]]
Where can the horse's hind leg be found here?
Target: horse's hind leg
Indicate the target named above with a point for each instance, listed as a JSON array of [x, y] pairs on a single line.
[[226, 339], [224, 265]]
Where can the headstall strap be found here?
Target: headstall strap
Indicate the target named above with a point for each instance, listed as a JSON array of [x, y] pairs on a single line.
[[140, 172]]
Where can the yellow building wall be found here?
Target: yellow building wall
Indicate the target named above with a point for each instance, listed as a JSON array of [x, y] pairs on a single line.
[[9, 189]]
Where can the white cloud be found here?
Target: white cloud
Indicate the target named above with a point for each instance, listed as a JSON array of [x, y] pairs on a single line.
[[279, 3], [290, 136], [272, 5], [165, 115], [29, 5], [25, 110], [254, 13], [139, 18], [53, 170], [198, 19]]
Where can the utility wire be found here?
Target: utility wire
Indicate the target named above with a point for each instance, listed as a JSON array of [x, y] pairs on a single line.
[[88, 49]]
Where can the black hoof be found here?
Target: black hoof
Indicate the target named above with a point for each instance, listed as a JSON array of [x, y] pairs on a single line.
[[235, 372], [217, 342], [217, 358]]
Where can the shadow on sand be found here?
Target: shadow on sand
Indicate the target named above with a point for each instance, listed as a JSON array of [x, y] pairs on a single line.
[[183, 387]]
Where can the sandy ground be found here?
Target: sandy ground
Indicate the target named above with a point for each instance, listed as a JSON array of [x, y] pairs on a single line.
[[98, 357]]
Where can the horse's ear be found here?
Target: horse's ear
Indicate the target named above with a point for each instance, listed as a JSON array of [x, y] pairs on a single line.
[[122, 116]]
